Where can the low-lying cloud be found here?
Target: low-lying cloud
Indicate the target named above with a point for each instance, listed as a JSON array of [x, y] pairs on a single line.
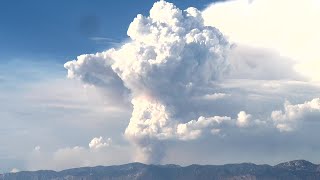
[[288, 119]]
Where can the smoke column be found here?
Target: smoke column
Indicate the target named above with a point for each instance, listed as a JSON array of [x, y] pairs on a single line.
[[170, 59]]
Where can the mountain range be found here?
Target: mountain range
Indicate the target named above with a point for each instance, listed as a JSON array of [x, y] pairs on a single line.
[[293, 170]]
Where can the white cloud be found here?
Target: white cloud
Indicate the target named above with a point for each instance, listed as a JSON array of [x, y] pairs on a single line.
[[243, 119], [287, 119], [260, 64], [287, 26], [14, 170], [194, 129], [99, 142], [214, 96], [71, 157], [37, 148], [95, 69]]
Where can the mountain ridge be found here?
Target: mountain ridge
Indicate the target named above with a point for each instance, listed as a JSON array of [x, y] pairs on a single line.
[[293, 170]]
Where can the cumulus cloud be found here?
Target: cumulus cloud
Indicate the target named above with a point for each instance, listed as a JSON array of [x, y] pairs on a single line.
[[94, 69], [193, 129], [287, 27], [287, 119], [99, 142], [37, 148], [243, 119], [171, 57], [214, 96], [14, 170]]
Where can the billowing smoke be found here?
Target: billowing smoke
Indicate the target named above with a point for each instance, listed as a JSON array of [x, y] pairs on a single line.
[[169, 61]]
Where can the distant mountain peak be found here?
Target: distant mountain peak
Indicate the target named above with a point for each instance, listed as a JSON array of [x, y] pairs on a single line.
[[297, 165]]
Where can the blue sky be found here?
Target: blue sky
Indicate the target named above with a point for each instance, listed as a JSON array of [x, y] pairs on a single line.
[[60, 30], [243, 85]]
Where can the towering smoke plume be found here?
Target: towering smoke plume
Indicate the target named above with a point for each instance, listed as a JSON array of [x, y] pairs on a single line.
[[170, 59]]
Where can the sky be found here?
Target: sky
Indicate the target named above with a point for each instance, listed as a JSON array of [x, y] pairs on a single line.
[[91, 83]]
